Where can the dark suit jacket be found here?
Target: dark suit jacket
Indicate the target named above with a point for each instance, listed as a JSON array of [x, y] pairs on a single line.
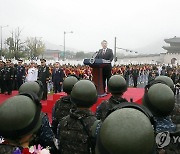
[[57, 75], [43, 74], [107, 56]]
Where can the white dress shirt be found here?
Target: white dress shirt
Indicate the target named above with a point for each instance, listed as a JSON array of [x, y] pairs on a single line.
[[32, 74]]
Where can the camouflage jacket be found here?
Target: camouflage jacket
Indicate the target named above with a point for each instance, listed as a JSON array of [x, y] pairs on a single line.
[[175, 115], [163, 124], [44, 136], [105, 106], [7, 149], [61, 109], [75, 133]]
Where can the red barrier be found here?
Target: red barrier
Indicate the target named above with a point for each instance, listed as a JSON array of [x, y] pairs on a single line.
[[132, 93]]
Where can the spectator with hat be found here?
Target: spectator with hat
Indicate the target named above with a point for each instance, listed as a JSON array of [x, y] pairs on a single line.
[[43, 76], [19, 73], [8, 77]]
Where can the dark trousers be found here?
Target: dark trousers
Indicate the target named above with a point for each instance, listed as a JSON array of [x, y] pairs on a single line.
[[127, 80], [14, 85], [44, 90], [57, 86], [19, 83], [106, 77], [135, 81], [2, 86], [8, 86]]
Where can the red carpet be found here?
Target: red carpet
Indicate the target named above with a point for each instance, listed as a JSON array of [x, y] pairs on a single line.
[[135, 94]]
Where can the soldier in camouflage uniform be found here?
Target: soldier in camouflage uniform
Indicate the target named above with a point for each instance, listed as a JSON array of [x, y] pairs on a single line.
[[63, 106], [74, 131], [43, 76], [175, 115], [44, 136], [117, 86], [20, 119], [127, 130], [8, 77], [160, 100], [166, 80]]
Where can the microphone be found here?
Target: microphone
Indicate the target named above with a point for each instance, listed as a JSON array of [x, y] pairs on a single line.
[[95, 54]]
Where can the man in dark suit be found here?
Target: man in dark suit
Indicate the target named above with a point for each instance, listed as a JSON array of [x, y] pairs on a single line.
[[135, 75], [57, 77], [107, 54]]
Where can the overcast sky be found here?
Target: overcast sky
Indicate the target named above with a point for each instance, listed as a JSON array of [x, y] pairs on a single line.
[[135, 23]]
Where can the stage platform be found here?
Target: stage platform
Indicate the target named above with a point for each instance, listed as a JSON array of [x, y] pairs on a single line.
[[135, 94]]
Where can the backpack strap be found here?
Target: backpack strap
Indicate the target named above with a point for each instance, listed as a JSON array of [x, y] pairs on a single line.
[[96, 127], [92, 146], [80, 118]]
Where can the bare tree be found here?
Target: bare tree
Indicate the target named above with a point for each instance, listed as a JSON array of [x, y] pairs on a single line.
[[36, 46], [15, 44]]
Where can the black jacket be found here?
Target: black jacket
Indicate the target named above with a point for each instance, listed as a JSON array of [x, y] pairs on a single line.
[[107, 56], [57, 75], [43, 73]]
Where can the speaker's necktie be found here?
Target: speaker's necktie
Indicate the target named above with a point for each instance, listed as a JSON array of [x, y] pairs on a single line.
[[104, 51]]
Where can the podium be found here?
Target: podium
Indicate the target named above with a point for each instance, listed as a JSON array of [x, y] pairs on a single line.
[[97, 65]]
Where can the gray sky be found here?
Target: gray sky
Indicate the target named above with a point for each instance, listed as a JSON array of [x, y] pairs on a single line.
[[135, 23]]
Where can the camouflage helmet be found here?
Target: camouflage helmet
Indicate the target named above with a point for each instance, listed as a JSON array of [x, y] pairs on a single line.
[[167, 80], [20, 116], [159, 99], [117, 84], [68, 84], [84, 94], [32, 86], [127, 131]]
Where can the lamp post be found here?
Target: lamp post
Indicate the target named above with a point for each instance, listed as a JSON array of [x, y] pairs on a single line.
[[1, 39], [59, 53], [115, 56], [65, 43]]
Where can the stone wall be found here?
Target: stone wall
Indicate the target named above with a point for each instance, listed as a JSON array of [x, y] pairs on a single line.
[[163, 58], [139, 60], [169, 56]]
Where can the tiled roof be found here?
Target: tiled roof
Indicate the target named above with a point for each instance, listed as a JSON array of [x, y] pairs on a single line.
[[173, 40], [171, 48]]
